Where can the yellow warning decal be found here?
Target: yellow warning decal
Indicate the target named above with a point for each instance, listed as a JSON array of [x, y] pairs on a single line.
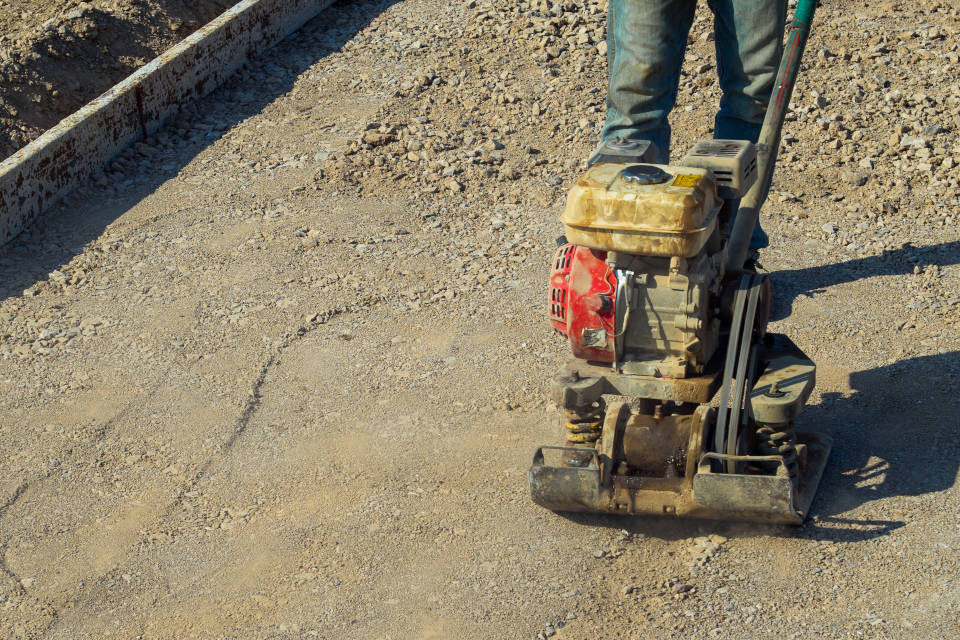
[[686, 180]]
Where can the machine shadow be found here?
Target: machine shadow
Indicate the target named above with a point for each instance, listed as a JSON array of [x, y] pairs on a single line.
[[896, 434], [56, 238], [790, 284]]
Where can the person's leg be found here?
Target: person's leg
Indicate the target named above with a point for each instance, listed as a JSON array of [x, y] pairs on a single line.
[[749, 43], [646, 40]]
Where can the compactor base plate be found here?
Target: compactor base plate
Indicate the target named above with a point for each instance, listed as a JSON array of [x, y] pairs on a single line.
[[719, 496]]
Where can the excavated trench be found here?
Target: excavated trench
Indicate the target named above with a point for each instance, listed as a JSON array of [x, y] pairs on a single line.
[[57, 55]]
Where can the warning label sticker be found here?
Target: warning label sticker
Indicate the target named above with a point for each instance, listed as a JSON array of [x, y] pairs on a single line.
[[686, 180]]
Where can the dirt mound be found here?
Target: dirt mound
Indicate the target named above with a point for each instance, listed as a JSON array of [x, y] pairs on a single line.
[[56, 56]]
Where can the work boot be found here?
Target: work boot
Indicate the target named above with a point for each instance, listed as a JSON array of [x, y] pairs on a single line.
[[624, 150]]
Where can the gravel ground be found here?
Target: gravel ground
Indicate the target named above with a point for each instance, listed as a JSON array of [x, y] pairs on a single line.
[[280, 371]]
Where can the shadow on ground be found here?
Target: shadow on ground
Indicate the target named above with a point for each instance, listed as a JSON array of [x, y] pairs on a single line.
[[897, 434], [53, 240], [810, 281]]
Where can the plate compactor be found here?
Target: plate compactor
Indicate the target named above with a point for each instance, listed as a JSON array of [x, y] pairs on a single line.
[[677, 400]]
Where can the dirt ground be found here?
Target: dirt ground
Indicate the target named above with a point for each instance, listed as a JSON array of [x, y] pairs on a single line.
[[280, 371], [57, 55]]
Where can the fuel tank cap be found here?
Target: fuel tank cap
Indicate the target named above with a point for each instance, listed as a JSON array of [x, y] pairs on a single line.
[[644, 174]]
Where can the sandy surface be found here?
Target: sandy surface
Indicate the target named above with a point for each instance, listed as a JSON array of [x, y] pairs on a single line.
[[280, 372]]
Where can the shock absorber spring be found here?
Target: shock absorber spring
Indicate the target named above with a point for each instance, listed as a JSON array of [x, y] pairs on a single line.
[[779, 439], [583, 428]]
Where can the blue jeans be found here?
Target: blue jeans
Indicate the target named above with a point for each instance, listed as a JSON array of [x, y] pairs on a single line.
[[646, 42]]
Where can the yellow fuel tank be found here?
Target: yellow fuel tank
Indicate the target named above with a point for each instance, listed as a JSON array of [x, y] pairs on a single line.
[[651, 210]]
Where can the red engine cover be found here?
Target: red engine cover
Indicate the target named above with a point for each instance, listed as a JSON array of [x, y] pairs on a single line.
[[583, 301]]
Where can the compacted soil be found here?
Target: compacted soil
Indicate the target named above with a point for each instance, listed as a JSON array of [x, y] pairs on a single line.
[[279, 372]]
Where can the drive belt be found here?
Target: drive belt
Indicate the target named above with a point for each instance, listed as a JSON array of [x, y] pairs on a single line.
[[739, 366]]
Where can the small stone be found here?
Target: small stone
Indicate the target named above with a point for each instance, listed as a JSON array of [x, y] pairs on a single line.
[[599, 554], [856, 177], [913, 142], [509, 173], [829, 228], [376, 138]]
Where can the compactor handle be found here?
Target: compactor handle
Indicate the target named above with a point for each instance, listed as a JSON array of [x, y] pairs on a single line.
[[769, 142]]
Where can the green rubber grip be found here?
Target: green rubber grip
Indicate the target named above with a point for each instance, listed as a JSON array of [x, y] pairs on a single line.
[[804, 14]]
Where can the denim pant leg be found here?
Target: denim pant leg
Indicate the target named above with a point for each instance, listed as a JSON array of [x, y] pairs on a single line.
[[749, 43], [646, 41]]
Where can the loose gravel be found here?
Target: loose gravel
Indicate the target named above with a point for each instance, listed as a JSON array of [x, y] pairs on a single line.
[[280, 370]]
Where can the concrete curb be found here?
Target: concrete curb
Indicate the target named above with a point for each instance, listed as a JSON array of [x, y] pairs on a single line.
[[37, 176]]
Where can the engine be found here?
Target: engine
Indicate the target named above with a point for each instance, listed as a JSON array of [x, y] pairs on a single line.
[[637, 284]]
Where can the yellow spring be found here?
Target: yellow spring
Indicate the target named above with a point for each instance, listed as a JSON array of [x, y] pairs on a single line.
[[584, 432]]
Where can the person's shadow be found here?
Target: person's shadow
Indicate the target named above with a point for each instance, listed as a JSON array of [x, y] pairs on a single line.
[[896, 434], [790, 284]]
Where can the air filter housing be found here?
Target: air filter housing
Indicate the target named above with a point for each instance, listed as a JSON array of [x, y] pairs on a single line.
[[732, 162]]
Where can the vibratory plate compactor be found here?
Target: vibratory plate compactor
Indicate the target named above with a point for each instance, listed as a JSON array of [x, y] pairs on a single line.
[[677, 401]]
